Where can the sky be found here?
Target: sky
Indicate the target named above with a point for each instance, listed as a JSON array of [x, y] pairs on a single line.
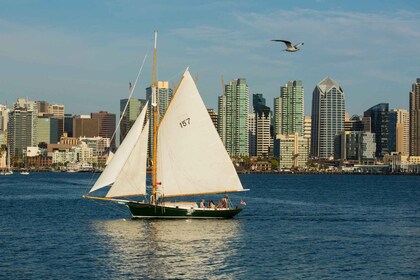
[[83, 53]]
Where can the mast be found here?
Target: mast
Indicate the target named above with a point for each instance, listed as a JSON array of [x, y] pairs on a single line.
[[154, 106]]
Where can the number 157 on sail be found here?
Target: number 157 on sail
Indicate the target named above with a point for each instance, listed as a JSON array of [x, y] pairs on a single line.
[[184, 123]]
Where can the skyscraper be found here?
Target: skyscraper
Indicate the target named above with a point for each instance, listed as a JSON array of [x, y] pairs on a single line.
[[262, 125], [378, 115], [289, 109], [213, 116], [327, 117], [47, 130], [164, 95], [106, 122], [57, 112], [20, 131], [415, 119], [233, 117], [22, 127], [252, 135], [398, 131], [134, 108]]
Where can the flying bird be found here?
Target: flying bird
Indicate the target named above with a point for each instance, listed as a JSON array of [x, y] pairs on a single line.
[[290, 47]]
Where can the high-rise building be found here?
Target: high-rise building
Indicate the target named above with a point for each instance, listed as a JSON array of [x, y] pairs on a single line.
[[415, 119], [252, 134], [354, 123], [164, 95], [4, 117], [327, 117], [22, 126], [68, 125], [20, 131], [57, 112], [84, 126], [398, 131], [289, 109], [134, 107], [307, 127], [262, 125], [378, 115], [213, 115], [47, 130], [233, 117], [107, 125], [42, 107]]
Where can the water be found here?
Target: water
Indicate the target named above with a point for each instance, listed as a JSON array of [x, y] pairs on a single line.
[[294, 227]]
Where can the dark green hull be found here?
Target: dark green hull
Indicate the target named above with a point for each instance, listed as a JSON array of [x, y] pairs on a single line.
[[144, 210]]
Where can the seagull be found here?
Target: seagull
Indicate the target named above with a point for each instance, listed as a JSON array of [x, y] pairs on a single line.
[[290, 47]]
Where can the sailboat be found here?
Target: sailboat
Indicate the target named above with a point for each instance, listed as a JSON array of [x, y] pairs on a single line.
[[189, 159], [8, 170]]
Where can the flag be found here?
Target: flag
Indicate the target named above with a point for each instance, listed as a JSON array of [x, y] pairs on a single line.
[[243, 202]]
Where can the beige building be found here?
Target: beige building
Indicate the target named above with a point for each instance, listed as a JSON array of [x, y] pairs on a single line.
[[294, 150], [402, 131]]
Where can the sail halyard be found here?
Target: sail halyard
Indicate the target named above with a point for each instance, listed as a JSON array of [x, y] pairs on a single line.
[[155, 107]]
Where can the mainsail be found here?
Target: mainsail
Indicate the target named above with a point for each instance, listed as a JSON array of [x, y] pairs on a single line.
[[126, 172], [191, 156]]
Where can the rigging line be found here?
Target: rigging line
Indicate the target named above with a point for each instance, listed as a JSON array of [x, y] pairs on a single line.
[[119, 122], [131, 93]]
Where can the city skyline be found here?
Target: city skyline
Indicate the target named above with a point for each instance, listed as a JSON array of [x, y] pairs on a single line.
[[84, 53]]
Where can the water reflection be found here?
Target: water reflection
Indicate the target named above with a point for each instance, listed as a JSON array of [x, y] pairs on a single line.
[[172, 249]]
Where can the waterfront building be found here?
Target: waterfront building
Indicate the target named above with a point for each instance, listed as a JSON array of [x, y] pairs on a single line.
[[289, 109], [398, 131], [356, 146], [99, 145], [22, 127], [415, 119], [79, 154], [327, 117], [292, 150], [233, 117], [84, 126], [262, 125], [134, 107], [378, 115], [107, 125]]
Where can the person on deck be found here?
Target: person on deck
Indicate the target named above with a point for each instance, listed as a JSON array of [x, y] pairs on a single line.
[[211, 204], [202, 204], [224, 202]]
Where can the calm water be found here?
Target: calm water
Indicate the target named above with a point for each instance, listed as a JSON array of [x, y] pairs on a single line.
[[294, 227]]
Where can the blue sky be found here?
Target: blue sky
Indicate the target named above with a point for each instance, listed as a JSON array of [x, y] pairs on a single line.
[[84, 53]]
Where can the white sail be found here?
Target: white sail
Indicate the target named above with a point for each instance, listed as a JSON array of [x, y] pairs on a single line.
[[132, 178], [191, 156], [113, 169], [110, 156]]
